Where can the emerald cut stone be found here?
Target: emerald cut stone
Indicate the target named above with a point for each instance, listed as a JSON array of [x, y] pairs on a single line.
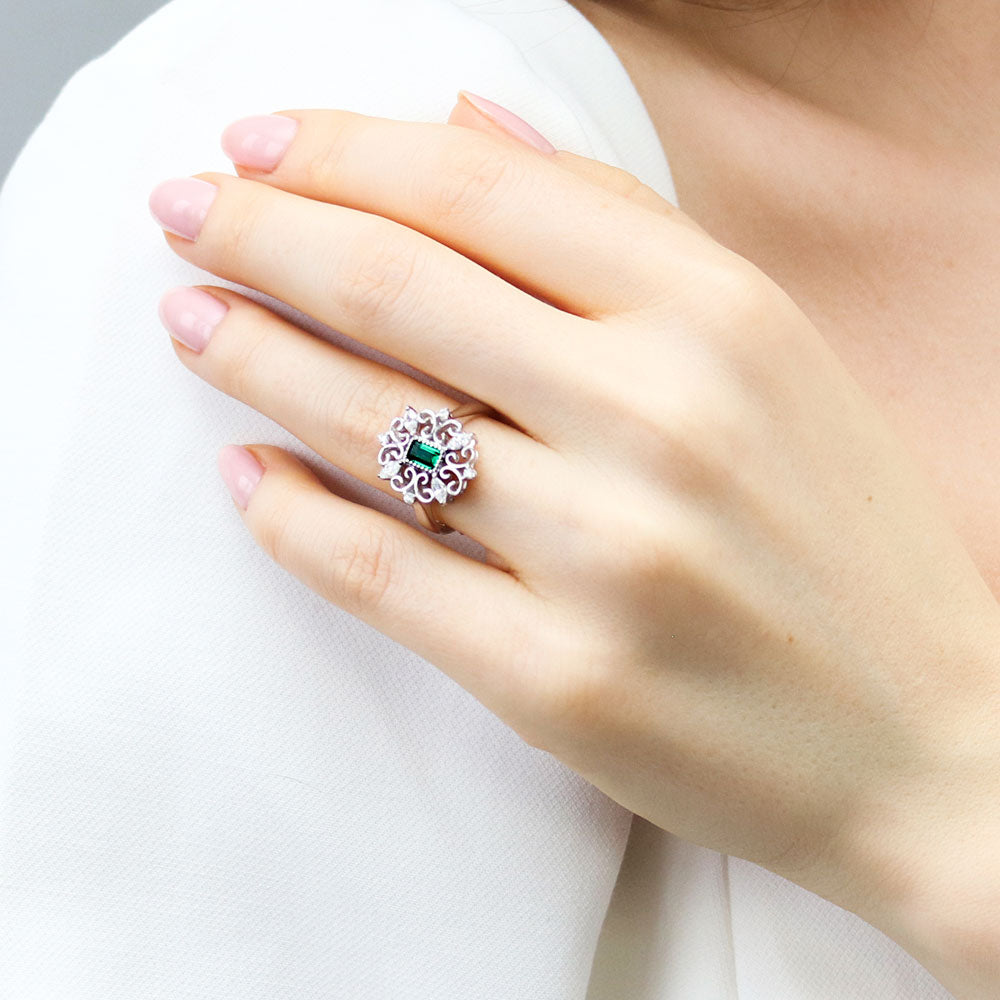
[[421, 453]]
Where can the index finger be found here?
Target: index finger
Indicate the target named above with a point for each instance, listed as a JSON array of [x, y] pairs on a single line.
[[551, 232]]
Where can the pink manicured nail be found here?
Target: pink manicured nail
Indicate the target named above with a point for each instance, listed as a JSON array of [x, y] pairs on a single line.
[[259, 142], [241, 472], [180, 205], [509, 122], [191, 315]]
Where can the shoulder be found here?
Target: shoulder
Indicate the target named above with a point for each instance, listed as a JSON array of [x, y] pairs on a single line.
[[155, 104], [228, 54], [171, 84]]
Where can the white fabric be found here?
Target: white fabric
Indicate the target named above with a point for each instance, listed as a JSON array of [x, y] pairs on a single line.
[[214, 783]]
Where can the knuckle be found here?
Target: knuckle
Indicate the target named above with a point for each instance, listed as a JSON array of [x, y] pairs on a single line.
[[358, 407], [276, 532], [574, 698], [703, 439], [359, 568], [354, 568], [244, 366], [703, 450], [640, 552], [747, 309], [243, 234], [755, 325], [727, 281], [323, 168], [719, 297], [471, 182], [687, 428], [378, 274], [626, 185], [573, 704]]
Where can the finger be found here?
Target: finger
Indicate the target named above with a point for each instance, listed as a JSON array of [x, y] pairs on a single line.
[[520, 214], [465, 617], [338, 403], [603, 175], [393, 288]]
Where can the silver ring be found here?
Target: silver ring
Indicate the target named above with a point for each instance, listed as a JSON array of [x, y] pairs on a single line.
[[429, 457]]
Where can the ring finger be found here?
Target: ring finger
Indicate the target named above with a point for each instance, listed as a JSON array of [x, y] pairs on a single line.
[[337, 403]]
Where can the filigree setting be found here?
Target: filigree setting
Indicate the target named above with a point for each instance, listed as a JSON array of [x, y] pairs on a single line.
[[426, 455]]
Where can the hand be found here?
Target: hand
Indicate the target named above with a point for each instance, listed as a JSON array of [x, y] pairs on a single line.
[[717, 585]]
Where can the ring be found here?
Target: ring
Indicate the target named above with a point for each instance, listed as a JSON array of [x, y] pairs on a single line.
[[429, 457]]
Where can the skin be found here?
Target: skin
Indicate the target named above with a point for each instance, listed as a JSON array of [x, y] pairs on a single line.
[[879, 216], [852, 152], [763, 633]]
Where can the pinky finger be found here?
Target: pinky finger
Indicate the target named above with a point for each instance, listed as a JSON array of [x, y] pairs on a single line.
[[455, 612], [602, 174]]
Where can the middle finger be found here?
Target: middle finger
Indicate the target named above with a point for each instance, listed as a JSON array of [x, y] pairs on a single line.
[[385, 284]]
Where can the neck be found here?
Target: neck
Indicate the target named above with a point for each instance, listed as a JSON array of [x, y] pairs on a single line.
[[921, 72]]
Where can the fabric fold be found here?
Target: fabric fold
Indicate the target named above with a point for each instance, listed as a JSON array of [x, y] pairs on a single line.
[[215, 782]]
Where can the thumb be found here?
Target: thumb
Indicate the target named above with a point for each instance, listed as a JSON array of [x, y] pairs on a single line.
[[477, 112]]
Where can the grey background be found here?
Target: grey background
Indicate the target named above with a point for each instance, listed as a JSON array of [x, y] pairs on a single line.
[[42, 43]]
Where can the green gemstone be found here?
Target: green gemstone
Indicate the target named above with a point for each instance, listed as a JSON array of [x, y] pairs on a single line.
[[421, 453]]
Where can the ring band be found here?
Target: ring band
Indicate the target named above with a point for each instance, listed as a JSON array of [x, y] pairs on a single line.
[[429, 458]]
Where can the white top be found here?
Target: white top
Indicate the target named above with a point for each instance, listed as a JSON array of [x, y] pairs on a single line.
[[214, 783]]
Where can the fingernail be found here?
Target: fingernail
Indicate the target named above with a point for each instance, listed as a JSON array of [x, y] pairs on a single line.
[[509, 122], [191, 315], [260, 141], [240, 471], [180, 205]]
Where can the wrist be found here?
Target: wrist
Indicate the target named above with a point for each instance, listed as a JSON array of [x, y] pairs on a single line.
[[956, 937], [922, 855], [945, 911]]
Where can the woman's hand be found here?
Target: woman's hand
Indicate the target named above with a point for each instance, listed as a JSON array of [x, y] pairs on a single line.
[[717, 585]]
